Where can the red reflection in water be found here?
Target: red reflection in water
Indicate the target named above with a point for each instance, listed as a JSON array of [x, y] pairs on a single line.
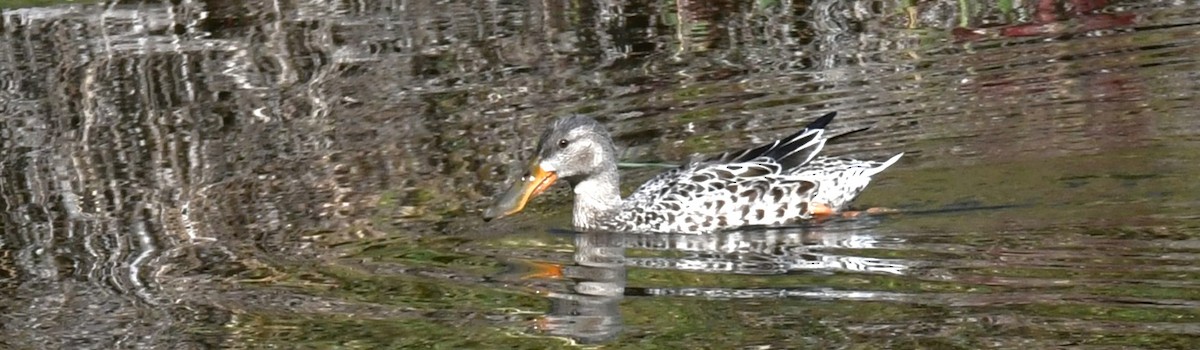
[[1051, 18]]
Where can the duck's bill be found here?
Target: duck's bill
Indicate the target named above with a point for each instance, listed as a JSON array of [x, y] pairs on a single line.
[[536, 181]]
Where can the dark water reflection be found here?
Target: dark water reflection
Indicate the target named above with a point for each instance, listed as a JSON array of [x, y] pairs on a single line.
[[310, 175]]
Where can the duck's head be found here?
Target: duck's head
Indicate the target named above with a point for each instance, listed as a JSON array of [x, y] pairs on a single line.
[[574, 148]]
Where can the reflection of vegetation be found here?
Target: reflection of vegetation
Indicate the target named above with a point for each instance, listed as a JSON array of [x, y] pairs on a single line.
[[15, 4], [1077, 189], [440, 313], [1006, 8], [883, 283], [348, 332], [423, 293], [1109, 313]]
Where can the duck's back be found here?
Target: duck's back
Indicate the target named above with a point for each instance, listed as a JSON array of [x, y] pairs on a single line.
[[773, 184], [710, 197], [840, 180]]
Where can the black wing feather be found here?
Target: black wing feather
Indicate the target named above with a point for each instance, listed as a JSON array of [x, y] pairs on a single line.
[[848, 133], [789, 152]]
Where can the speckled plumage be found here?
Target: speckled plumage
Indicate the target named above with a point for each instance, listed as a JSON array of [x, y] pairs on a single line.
[[777, 183], [769, 185]]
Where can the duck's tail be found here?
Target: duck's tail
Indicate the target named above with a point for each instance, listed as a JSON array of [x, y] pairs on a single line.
[[879, 168]]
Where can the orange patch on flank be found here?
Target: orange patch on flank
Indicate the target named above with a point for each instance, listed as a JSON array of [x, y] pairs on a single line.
[[875, 211], [545, 270], [872, 211], [820, 209], [541, 323]]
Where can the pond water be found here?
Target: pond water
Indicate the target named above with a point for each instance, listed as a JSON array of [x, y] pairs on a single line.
[[224, 174]]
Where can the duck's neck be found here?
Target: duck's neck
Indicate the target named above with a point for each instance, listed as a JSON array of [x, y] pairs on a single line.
[[596, 198]]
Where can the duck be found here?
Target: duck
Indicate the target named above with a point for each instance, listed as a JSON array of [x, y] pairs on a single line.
[[779, 183]]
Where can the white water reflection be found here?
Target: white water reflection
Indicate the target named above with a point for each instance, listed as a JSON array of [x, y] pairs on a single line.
[[766, 252]]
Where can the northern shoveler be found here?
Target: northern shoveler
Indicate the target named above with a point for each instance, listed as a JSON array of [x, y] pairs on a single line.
[[778, 183]]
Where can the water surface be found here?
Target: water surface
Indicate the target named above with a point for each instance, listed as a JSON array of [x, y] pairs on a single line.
[[311, 174]]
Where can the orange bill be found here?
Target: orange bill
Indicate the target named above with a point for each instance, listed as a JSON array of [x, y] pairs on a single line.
[[536, 181]]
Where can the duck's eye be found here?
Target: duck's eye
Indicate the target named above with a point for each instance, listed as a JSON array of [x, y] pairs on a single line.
[[563, 143]]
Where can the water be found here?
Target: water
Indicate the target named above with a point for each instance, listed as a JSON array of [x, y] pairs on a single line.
[[311, 175]]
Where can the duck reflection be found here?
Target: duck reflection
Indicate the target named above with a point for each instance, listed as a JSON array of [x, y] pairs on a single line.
[[588, 311]]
